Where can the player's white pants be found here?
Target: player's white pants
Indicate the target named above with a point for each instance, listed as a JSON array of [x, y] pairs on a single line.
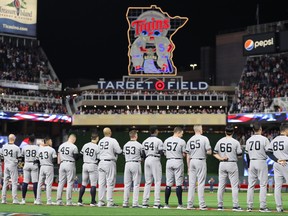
[[280, 173], [90, 172], [30, 172], [10, 171], [198, 170], [258, 170], [152, 170], [67, 172], [132, 173], [107, 177], [230, 170], [46, 176]]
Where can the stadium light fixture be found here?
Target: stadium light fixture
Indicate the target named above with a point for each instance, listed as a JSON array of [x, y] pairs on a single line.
[[193, 66]]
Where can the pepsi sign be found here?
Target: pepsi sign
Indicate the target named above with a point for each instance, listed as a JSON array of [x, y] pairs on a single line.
[[258, 44]]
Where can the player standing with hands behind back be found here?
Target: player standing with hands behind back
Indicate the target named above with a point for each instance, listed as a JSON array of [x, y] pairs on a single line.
[[67, 155], [11, 153], [30, 169], [90, 152], [174, 149], [46, 157], [132, 171], [227, 151], [278, 151], [109, 151], [257, 167], [153, 149], [197, 147]]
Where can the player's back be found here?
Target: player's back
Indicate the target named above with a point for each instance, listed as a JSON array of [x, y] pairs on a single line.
[[45, 155], [197, 146], [256, 146], [229, 147], [174, 147], [152, 145], [279, 147], [109, 148], [90, 152], [67, 150], [132, 151], [30, 152], [10, 153]]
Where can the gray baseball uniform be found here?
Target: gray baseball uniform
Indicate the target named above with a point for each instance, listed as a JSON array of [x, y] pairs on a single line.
[[109, 150], [197, 147], [30, 170], [90, 153], [152, 168], [255, 147], [67, 170], [45, 155], [10, 152], [132, 171], [230, 147], [279, 147], [174, 147]]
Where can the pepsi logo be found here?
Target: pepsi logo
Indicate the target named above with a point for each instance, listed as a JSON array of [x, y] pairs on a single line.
[[249, 44]]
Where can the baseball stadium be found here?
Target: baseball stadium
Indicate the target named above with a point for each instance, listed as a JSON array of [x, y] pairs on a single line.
[[162, 140]]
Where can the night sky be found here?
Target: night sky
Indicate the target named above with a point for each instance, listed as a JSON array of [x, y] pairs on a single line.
[[88, 39]]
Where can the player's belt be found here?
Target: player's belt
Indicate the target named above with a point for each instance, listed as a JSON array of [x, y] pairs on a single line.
[[46, 165], [228, 161], [174, 158], [68, 161], [133, 161], [89, 163], [256, 159], [153, 156], [107, 160], [198, 158], [29, 161]]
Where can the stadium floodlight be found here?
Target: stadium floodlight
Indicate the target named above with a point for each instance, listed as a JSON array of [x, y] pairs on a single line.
[[193, 66]]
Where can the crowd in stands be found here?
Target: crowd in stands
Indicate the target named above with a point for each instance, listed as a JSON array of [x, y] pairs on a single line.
[[263, 78], [20, 61], [115, 111], [17, 106], [31, 93]]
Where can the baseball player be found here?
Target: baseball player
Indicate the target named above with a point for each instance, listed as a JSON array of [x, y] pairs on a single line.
[[132, 171], [10, 152], [174, 149], [90, 152], [109, 150], [152, 147], [30, 169], [197, 147], [258, 169], [67, 155], [227, 151], [278, 151], [46, 157]]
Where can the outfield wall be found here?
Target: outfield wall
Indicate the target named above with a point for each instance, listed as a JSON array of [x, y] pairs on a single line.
[[149, 119]]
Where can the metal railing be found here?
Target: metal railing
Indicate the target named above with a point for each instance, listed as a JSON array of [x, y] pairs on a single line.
[[150, 97]]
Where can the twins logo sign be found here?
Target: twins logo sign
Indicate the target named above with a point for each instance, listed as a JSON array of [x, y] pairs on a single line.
[[150, 41]]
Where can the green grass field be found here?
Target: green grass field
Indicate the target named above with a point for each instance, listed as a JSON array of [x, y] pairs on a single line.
[[211, 201]]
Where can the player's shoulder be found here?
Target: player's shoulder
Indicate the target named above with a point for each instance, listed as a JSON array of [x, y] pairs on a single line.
[[235, 141]]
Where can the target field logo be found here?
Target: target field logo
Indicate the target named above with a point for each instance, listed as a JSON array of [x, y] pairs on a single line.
[[159, 85]]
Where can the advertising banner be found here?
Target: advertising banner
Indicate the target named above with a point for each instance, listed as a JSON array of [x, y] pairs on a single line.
[[258, 44], [18, 17]]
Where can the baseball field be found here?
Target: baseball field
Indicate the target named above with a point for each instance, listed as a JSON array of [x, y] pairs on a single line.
[[211, 201]]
